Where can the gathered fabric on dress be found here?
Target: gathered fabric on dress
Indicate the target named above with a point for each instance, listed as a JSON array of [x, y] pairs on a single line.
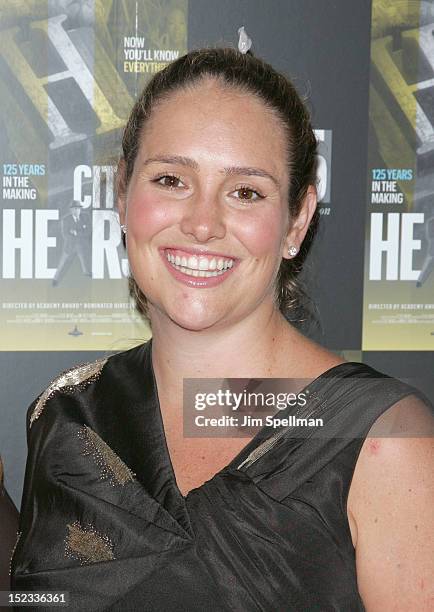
[[103, 519]]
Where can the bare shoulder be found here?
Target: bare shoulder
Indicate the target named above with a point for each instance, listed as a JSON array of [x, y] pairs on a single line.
[[390, 509], [310, 359]]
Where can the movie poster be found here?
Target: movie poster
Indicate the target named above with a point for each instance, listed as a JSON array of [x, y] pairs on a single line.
[[399, 262], [324, 170], [69, 75]]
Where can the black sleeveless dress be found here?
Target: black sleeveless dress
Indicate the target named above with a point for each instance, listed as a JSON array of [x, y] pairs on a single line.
[[102, 517]]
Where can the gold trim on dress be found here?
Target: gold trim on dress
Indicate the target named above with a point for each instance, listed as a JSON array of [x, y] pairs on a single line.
[[111, 466], [86, 545], [68, 381]]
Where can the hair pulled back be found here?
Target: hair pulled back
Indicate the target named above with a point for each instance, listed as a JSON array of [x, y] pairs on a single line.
[[251, 75]]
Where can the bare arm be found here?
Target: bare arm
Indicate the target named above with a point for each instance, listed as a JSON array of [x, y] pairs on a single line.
[[390, 509]]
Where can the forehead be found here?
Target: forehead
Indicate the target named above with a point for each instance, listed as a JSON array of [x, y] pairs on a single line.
[[220, 117]]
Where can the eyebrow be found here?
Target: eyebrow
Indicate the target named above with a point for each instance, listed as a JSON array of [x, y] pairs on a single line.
[[173, 159], [249, 171], [229, 171]]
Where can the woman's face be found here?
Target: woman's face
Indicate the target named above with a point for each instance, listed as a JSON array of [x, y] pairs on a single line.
[[206, 207]]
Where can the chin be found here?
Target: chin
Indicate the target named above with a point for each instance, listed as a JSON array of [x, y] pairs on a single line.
[[193, 316], [193, 323]]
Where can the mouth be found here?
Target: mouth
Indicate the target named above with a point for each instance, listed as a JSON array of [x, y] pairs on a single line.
[[198, 269]]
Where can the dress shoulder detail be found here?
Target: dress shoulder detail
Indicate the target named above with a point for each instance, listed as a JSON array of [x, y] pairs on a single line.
[[110, 465], [78, 377]]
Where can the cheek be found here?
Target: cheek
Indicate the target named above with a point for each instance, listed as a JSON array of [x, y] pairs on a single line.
[[147, 215], [262, 235]]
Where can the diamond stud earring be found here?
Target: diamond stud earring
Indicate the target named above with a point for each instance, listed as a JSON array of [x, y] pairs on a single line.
[[292, 251], [124, 229]]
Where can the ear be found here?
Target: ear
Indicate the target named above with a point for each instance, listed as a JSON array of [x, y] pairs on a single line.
[[300, 225], [121, 190]]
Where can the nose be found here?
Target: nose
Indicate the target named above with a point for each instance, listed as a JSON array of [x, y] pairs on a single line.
[[203, 219]]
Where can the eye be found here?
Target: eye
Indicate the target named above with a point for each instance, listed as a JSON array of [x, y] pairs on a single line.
[[171, 181], [247, 194]]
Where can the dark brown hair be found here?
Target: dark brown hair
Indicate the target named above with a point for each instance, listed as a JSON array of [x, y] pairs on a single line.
[[252, 75]]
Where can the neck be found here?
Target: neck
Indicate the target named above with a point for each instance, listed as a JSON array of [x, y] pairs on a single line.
[[246, 349]]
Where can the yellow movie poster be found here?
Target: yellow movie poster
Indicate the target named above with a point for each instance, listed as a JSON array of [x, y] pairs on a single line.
[[69, 75], [399, 255]]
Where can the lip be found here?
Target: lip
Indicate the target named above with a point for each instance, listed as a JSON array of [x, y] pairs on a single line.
[[196, 251], [196, 281]]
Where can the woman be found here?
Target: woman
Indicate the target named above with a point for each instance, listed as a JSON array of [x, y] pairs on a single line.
[[216, 199]]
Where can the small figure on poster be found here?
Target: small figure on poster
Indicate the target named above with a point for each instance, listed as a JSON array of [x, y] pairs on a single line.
[[76, 233]]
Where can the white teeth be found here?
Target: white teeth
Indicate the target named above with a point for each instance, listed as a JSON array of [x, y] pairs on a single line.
[[192, 262], [200, 266], [200, 273]]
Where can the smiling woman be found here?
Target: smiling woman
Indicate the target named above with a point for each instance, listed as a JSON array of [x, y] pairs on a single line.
[[228, 102], [217, 199]]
